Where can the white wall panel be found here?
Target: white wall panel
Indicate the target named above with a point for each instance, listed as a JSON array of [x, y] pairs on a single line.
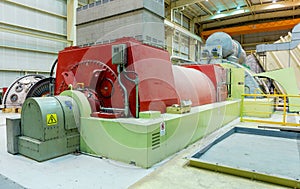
[[18, 15], [29, 42], [31, 34], [7, 77], [55, 6], [12, 59]]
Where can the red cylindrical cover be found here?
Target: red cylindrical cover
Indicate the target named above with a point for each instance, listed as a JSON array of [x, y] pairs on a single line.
[[193, 85]]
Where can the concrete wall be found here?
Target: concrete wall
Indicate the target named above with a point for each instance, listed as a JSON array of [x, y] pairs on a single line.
[[103, 23]]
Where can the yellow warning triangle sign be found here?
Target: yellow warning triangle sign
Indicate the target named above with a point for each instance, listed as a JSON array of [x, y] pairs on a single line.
[[51, 119]]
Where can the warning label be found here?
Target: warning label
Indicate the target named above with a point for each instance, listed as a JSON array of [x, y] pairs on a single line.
[[51, 119], [162, 128]]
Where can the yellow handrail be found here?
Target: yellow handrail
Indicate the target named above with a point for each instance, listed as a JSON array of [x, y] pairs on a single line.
[[262, 108]]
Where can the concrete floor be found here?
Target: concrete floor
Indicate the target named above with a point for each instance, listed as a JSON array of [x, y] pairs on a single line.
[[6, 183], [70, 171], [83, 171]]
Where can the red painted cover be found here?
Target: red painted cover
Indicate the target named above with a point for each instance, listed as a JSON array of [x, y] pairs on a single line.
[[160, 83]]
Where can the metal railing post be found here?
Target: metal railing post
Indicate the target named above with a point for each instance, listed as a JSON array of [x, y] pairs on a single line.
[[284, 109], [242, 108]]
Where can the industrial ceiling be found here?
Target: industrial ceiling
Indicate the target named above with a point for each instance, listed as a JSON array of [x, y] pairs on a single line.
[[215, 14], [251, 22]]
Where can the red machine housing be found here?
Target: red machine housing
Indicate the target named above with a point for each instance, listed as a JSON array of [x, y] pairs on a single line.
[[217, 75], [161, 84]]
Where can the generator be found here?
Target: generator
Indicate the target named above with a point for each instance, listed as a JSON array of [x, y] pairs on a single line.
[[125, 101]]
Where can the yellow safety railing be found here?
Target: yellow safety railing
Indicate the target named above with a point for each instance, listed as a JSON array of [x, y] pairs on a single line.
[[269, 108]]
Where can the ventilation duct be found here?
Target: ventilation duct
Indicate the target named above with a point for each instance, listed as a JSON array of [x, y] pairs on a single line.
[[282, 46]]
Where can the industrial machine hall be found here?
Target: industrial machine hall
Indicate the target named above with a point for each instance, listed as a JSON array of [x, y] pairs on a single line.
[[147, 94]]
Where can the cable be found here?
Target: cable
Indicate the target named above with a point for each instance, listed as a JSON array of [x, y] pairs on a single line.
[[52, 80], [52, 68]]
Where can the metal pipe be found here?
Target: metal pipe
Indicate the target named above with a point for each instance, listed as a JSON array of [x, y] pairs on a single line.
[[137, 99], [136, 82], [111, 109], [126, 104]]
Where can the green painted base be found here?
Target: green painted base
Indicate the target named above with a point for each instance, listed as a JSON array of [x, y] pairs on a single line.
[[41, 151], [145, 142]]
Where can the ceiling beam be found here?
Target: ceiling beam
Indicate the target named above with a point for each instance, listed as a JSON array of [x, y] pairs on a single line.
[[255, 28], [236, 4], [249, 18], [254, 8], [205, 8], [182, 3], [225, 5], [213, 5]]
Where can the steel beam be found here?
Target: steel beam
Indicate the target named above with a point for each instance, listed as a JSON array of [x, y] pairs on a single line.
[[255, 28], [182, 30], [182, 3], [205, 8], [243, 19], [225, 5], [254, 8]]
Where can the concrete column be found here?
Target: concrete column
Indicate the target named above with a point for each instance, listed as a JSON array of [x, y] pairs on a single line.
[[71, 20], [192, 42]]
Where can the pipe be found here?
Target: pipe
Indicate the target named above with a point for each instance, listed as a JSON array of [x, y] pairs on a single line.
[[282, 46], [136, 82], [126, 110], [111, 109], [137, 99], [52, 80]]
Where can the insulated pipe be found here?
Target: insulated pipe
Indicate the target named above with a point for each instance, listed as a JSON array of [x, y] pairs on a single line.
[[136, 82], [126, 109], [282, 46]]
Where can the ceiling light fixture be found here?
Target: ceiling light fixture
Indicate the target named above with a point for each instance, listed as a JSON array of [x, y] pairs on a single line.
[[218, 11], [238, 7], [274, 1]]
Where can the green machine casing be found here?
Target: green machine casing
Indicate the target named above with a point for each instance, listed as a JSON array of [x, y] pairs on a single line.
[[49, 127]]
